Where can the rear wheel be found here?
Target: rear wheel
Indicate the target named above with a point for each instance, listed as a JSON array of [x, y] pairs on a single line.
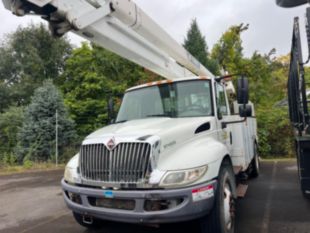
[[222, 217], [255, 165], [87, 221]]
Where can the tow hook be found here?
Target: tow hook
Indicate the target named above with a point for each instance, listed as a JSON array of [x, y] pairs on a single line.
[[88, 219]]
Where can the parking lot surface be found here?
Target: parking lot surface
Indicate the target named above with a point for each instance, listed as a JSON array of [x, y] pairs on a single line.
[[32, 202]]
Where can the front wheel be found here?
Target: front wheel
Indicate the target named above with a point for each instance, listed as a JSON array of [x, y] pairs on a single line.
[[222, 217]]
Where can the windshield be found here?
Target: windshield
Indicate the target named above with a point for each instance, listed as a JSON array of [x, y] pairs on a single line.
[[178, 99]]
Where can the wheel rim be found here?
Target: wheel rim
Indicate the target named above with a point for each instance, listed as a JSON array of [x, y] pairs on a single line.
[[256, 159], [229, 207]]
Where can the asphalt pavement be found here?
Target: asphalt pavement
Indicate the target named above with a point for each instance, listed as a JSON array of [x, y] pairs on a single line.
[[33, 202]]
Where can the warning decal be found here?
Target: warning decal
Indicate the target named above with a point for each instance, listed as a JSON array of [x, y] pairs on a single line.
[[203, 193]]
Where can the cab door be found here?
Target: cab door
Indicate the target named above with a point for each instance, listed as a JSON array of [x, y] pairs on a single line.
[[223, 114]]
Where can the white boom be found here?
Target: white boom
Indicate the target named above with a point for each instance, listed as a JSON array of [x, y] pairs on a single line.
[[119, 26]]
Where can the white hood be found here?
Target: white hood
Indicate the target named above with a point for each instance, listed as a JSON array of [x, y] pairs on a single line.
[[171, 131]]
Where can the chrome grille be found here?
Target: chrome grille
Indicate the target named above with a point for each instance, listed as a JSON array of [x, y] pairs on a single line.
[[127, 162]]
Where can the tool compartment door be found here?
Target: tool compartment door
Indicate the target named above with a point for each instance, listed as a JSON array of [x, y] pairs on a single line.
[[244, 136]]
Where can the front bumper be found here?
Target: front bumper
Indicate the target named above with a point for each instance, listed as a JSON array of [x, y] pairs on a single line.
[[196, 202]]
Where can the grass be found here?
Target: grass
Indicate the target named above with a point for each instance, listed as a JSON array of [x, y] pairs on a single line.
[[278, 159], [34, 167]]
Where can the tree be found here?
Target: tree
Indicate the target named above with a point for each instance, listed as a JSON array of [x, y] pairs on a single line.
[[267, 76], [195, 43], [10, 123], [93, 75], [228, 50], [269, 86], [29, 56], [37, 135]]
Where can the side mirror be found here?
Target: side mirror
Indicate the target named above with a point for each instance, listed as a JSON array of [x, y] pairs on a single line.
[[242, 90], [245, 111], [111, 112]]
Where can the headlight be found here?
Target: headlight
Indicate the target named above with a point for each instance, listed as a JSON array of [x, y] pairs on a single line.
[[177, 178], [71, 175]]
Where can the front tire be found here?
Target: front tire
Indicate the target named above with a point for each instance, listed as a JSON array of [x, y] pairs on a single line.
[[222, 217]]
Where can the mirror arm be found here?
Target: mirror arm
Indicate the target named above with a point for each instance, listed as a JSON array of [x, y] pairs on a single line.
[[224, 124], [229, 76]]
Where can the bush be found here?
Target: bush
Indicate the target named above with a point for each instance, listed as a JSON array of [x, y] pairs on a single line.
[[8, 159], [275, 132], [28, 164], [10, 122], [264, 145]]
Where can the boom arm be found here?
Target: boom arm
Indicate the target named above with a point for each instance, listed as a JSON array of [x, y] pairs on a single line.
[[119, 26]]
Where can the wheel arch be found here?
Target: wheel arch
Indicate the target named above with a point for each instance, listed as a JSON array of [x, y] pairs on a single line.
[[227, 161]]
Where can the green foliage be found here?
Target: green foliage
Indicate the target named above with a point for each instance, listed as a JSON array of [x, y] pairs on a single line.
[[228, 50], [195, 43], [307, 75], [268, 79], [68, 152], [275, 133], [264, 145], [10, 122], [93, 75], [37, 135], [8, 159], [28, 164], [29, 56]]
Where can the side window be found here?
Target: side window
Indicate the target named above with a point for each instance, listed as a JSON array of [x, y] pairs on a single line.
[[221, 100], [193, 99]]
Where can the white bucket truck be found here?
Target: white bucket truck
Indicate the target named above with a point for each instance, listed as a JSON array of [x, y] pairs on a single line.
[[175, 148]]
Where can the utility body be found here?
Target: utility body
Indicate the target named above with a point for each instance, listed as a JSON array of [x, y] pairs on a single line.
[[175, 147]]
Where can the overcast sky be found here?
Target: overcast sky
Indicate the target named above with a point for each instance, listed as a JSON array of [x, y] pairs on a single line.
[[270, 25]]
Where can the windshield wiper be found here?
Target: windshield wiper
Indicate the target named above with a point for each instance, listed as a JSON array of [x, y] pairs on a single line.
[[117, 122], [158, 115]]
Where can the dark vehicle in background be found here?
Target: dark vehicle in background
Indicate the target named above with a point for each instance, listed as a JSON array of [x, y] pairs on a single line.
[[298, 98]]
